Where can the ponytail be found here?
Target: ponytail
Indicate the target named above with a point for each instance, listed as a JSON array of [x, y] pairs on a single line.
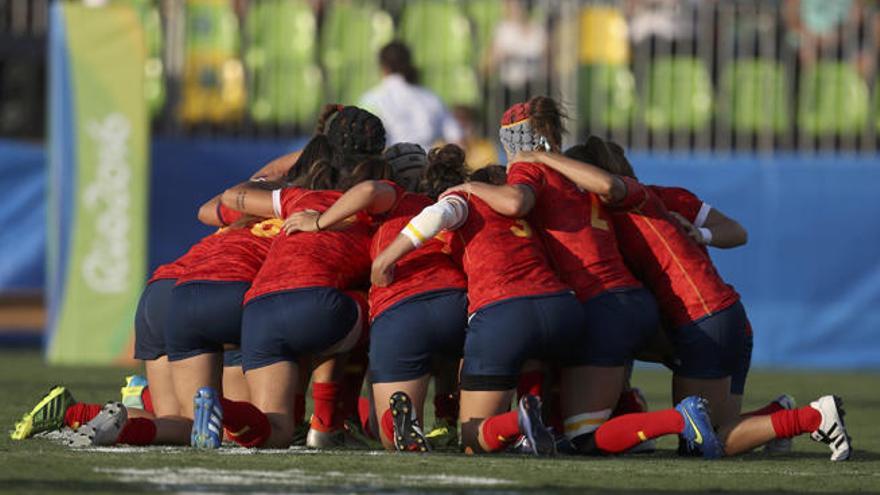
[[546, 118], [446, 168]]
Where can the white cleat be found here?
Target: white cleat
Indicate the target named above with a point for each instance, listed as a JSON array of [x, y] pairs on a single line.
[[781, 445], [103, 429], [832, 431]]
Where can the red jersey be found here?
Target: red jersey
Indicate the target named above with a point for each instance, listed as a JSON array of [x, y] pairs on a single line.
[[426, 269], [672, 265], [177, 267], [339, 257], [233, 254], [502, 257], [575, 227]]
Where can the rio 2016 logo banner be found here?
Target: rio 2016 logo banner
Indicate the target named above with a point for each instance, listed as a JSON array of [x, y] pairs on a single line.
[[98, 136]]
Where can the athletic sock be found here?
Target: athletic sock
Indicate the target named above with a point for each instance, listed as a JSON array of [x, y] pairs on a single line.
[[387, 425], [767, 409], [81, 413], [625, 432], [245, 424], [794, 422], [530, 383], [299, 408], [147, 397], [137, 431], [325, 396], [446, 408], [500, 431], [364, 408]]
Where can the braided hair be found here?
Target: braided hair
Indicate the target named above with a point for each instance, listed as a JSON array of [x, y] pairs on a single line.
[[446, 168]]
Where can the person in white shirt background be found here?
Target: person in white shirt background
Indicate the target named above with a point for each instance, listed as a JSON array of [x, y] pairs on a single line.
[[409, 112]]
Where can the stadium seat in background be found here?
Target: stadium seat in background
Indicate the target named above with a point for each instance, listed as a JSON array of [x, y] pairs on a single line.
[[352, 35], [154, 81], [285, 82], [213, 79], [606, 86], [753, 96], [833, 99], [439, 35], [679, 96]]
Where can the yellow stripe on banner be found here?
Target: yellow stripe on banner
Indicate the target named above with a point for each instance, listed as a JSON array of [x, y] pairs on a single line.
[[585, 422], [414, 231], [642, 436]]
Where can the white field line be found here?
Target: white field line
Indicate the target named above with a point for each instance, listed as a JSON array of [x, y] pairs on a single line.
[[174, 478]]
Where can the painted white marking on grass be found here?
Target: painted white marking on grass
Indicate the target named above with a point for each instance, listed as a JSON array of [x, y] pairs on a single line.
[[120, 449], [206, 479]]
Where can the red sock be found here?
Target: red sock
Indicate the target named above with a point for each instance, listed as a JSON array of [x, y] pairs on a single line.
[[364, 407], [767, 409], [80, 414], [500, 431], [625, 432], [530, 383], [244, 423], [137, 431], [791, 423], [147, 397], [325, 395], [387, 425], [446, 407], [299, 408]]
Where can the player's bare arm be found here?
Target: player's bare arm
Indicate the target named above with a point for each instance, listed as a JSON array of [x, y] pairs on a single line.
[[374, 197], [725, 232], [509, 200], [249, 197], [609, 187], [277, 168], [208, 212]]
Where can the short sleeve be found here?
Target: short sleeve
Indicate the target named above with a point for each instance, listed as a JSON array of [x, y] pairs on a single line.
[[685, 203], [527, 174], [636, 196]]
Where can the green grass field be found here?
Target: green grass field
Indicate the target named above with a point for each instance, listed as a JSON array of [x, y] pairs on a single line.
[[40, 466]]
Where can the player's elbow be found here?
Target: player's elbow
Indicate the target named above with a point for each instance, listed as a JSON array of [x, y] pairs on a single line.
[[228, 198], [519, 204], [740, 235], [208, 214]]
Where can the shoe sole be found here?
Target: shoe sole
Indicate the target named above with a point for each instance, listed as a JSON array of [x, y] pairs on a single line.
[[841, 413], [407, 433], [25, 428], [103, 429], [202, 437], [530, 424]]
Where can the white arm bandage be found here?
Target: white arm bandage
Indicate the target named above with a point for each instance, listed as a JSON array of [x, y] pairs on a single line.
[[447, 214], [276, 202]]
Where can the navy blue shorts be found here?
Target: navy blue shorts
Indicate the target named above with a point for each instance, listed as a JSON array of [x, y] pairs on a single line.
[[713, 347], [405, 337], [738, 378], [502, 336], [151, 318], [619, 324], [203, 317], [232, 358], [284, 326]]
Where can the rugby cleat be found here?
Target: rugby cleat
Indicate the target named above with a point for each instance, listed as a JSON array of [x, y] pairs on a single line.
[[300, 432], [317, 439], [781, 445], [47, 415], [832, 430], [207, 430], [443, 435], [103, 429], [408, 435], [698, 433], [540, 438], [133, 392]]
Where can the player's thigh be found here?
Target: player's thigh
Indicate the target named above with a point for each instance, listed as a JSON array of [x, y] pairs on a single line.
[[192, 373], [272, 389], [161, 382], [234, 383], [714, 390]]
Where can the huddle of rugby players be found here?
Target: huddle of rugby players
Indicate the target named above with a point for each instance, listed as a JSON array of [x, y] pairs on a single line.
[[540, 283]]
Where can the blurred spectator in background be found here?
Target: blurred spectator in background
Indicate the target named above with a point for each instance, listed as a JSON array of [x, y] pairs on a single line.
[[479, 151], [653, 21], [518, 52], [821, 29], [409, 112]]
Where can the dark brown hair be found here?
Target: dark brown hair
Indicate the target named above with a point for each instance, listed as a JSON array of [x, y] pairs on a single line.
[[607, 156], [546, 118], [490, 174], [446, 168], [320, 175], [318, 148], [396, 58], [372, 168]]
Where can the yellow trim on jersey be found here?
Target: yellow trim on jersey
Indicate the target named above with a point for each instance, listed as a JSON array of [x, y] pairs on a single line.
[[677, 261]]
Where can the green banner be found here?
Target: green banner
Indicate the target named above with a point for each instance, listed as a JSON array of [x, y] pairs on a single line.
[[100, 192]]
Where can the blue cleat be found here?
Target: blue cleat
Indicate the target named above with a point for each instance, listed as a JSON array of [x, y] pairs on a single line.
[[538, 437], [698, 432], [207, 430]]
